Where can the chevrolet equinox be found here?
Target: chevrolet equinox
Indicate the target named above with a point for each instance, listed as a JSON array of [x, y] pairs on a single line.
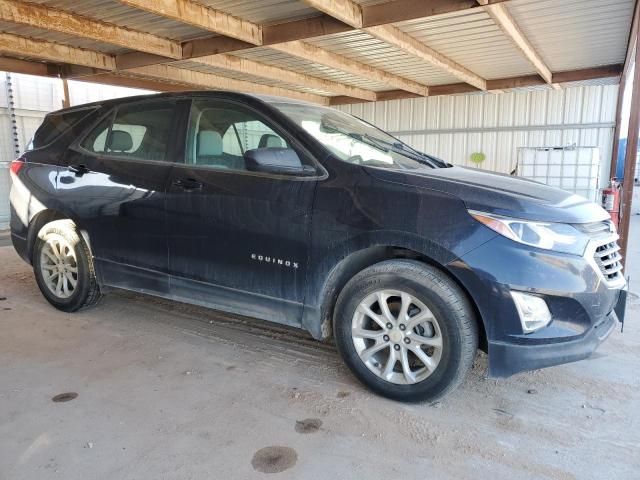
[[306, 216]]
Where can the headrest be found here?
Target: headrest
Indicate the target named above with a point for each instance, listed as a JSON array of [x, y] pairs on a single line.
[[269, 140], [209, 143], [120, 141]]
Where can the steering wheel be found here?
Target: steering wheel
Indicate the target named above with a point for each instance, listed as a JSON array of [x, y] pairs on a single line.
[[356, 160]]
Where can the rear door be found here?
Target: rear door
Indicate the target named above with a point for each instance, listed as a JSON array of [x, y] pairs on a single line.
[[238, 240], [115, 180]]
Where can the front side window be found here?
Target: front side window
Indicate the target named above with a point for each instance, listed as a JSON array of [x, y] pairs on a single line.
[[138, 131], [220, 133]]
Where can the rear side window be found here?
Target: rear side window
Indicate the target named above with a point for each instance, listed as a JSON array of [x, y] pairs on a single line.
[[55, 124], [138, 131]]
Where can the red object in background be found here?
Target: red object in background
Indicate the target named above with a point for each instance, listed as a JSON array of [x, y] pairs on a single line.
[[16, 165], [611, 201]]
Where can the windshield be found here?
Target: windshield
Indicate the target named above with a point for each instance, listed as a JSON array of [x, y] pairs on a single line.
[[355, 141]]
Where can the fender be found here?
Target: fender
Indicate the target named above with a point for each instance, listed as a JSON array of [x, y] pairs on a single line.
[[328, 275]]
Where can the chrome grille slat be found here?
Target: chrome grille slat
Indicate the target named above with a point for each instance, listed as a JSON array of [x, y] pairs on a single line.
[[606, 254], [614, 270], [611, 261], [608, 251]]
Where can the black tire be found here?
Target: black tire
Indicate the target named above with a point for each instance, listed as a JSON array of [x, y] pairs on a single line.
[[447, 302], [87, 292]]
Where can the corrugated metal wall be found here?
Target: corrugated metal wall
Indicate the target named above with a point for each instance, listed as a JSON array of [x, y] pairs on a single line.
[[454, 127], [33, 98]]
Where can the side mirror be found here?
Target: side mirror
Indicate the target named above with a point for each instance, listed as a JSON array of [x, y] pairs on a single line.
[[282, 161]]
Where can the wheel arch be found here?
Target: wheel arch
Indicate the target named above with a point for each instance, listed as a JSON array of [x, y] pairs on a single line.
[[318, 319], [44, 217]]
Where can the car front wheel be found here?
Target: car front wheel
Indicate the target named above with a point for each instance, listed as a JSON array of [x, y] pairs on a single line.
[[406, 330]]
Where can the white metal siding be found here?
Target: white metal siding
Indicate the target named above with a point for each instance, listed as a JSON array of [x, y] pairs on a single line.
[[454, 127]]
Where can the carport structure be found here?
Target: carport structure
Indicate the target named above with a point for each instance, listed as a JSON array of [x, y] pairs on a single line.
[[331, 52], [325, 51]]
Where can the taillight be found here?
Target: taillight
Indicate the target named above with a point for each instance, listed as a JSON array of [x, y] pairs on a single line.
[[16, 165]]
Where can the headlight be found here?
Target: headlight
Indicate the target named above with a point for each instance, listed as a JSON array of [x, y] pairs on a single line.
[[560, 237]]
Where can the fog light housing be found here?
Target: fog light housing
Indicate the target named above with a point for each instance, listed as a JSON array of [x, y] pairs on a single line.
[[533, 311]]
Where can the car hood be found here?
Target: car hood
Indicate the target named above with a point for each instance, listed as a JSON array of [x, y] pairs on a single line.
[[499, 194]]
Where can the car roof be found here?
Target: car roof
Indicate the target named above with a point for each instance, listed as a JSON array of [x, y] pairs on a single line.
[[183, 94]]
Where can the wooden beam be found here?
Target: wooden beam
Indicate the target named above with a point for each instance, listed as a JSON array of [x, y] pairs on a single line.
[[27, 67], [631, 153], [66, 101], [608, 71], [122, 80], [507, 23], [632, 57], [201, 16], [319, 55], [210, 81], [258, 69], [402, 10], [305, 28], [52, 19], [22, 47], [346, 11], [623, 81], [396, 37]]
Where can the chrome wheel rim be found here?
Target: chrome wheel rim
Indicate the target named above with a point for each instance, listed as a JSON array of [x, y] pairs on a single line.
[[397, 337], [59, 266]]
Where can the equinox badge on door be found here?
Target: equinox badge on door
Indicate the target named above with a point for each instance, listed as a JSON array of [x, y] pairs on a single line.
[[277, 261]]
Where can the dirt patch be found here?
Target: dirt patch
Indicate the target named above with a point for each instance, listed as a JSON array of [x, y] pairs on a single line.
[[274, 459], [343, 394], [308, 425]]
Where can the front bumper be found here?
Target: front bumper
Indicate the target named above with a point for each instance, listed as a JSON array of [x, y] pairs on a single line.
[[584, 308], [508, 358]]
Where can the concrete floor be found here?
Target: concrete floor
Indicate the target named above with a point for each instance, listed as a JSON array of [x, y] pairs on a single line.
[[169, 391]]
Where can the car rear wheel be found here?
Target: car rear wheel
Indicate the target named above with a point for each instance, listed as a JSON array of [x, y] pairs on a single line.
[[406, 330], [63, 267]]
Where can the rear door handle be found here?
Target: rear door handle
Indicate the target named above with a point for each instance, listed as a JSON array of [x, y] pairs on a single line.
[[188, 184], [78, 169]]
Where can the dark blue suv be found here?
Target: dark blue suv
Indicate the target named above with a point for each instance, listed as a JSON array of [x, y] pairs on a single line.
[[304, 215]]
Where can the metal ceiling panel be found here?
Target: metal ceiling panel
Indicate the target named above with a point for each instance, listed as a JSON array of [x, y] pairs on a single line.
[[362, 47], [272, 57], [574, 34], [199, 67], [472, 39]]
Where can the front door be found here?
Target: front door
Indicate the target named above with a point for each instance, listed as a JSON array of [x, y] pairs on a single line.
[[238, 240], [115, 181]]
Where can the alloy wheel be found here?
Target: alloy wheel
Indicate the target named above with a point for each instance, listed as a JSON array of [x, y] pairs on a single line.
[[397, 337], [59, 266]]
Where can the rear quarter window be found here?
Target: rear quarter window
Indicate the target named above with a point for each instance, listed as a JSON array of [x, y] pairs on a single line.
[[55, 124]]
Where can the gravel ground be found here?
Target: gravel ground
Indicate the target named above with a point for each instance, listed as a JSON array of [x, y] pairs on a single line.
[[170, 391]]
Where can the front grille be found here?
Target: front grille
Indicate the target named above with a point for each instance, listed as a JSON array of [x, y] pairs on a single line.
[[608, 259], [607, 252]]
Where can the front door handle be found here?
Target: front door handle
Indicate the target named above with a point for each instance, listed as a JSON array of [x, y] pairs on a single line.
[[188, 184], [79, 170]]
